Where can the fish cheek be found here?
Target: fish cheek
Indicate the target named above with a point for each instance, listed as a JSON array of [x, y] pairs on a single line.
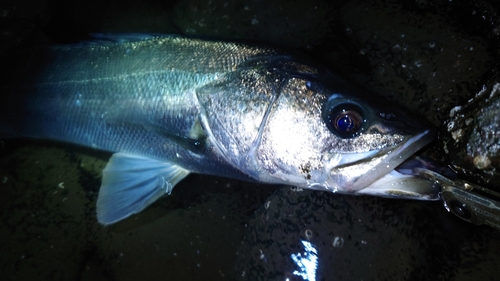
[[293, 138]]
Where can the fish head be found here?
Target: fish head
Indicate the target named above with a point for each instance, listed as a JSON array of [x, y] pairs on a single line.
[[331, 135], [312, 129]]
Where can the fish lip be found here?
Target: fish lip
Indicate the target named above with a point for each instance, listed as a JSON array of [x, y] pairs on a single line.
[[400, 154]]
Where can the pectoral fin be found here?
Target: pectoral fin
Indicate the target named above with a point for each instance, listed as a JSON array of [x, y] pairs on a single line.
[[130, 183]]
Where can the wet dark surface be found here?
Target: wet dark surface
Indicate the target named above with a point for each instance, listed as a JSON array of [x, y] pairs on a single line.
[[363, 238], [429, 57], [49, 229]]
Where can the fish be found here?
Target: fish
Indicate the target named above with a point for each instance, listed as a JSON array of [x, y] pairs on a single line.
[[167, 106]]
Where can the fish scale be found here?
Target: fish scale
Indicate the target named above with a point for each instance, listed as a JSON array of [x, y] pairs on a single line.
[[167, 106]]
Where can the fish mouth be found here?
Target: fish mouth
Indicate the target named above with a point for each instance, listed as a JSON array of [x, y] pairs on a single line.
[[373, 174], [395, 158], [391, 182]]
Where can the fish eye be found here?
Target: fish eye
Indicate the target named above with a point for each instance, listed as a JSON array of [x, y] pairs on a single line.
[[345, 120]]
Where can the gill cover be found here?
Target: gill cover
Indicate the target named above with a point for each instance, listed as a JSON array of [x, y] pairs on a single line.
[[233, 111], [237, 107]]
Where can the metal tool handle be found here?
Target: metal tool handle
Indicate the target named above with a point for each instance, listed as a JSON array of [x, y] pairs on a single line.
[[472, 203]]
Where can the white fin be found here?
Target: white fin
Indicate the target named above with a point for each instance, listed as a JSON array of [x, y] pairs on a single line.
[[130, 183]]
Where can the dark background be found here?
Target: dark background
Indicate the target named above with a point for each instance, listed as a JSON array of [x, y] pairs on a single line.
[[427, 56]]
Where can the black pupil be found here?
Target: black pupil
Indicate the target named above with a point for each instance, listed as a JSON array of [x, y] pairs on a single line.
[[345, 120], [345, 123]]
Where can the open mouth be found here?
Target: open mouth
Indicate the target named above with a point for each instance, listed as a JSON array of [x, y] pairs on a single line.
[[391, 177], [389, 161], [374, 173]]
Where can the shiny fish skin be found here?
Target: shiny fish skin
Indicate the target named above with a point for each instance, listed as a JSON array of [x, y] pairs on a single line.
[[168, 105]]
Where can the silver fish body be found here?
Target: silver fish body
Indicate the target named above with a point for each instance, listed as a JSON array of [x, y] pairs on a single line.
[[167, 106]]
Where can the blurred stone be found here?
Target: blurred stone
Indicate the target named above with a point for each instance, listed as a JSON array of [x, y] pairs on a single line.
[[298, 25]]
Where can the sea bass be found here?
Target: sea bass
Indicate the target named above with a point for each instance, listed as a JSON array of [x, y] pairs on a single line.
[[167, 106]]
